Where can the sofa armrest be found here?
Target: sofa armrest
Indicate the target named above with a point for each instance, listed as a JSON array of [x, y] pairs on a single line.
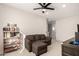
[[28, 45]]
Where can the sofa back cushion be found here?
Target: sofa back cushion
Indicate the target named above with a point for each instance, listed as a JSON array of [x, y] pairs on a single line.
[[39, 36], [36, 37], [30, 37], [43, 37]]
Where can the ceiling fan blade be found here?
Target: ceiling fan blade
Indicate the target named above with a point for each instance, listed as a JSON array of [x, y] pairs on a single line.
[[38, 8], [47, 4], [41, 4], [44, 8], [50, 8]]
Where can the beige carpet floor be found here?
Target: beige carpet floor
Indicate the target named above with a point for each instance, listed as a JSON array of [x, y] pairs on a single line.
[[53, 50]]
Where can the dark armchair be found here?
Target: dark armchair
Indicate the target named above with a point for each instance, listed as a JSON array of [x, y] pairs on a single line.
[[33, 38]]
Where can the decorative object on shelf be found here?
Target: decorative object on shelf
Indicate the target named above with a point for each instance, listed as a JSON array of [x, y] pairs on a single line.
[[11, 37]]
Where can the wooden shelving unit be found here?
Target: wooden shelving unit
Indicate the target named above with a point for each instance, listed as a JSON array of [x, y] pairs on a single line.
[[11, 38]]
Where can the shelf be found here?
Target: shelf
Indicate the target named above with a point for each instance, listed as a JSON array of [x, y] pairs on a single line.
[[7, 50], [8, 46], [8, 38], [13, 43], [11, 31]]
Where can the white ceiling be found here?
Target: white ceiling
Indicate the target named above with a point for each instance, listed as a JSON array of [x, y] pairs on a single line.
[[71, 9]]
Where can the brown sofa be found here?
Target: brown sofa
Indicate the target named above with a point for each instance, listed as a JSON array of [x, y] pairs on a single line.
[[30, 39]]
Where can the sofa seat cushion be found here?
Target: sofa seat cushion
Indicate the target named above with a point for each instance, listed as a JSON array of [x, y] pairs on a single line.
[[37, 44], [39, 47]]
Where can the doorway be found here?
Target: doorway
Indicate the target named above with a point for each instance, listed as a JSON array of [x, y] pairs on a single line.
[[51, 31]]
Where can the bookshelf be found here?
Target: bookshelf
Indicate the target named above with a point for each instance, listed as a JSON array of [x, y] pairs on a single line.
[[11, 36]]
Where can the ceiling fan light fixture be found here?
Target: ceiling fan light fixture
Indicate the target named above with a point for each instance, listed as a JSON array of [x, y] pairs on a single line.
[[43, 10]]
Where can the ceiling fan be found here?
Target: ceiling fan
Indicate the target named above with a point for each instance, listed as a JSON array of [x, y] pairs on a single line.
[[44, 6]]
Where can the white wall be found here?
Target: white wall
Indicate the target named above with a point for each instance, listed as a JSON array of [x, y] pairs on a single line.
[[27, 22], [66, 28]]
